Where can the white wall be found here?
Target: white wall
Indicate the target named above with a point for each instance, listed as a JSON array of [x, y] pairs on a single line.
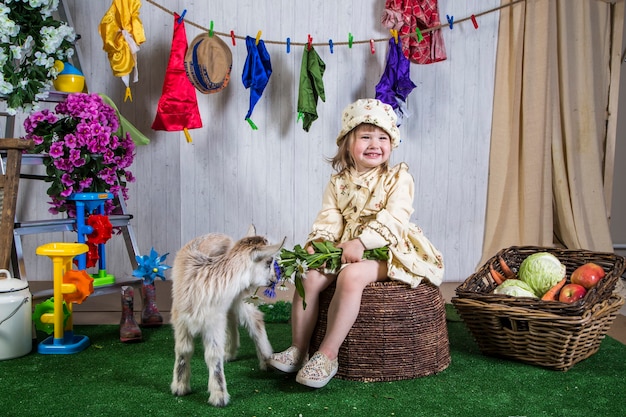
[[231, 176]]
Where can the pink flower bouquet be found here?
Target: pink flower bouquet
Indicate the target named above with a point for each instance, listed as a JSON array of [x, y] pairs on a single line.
[[82, 150]]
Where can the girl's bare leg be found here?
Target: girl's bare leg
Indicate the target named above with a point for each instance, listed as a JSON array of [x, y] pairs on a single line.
[[346, 303], [303, 320]]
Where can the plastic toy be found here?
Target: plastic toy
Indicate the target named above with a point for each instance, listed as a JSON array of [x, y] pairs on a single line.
[[86, 204], [70, 79], [70, 286], [150, 267]]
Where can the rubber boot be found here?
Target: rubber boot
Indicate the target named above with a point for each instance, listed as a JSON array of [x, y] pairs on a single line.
[[150, 316], [129, 330]]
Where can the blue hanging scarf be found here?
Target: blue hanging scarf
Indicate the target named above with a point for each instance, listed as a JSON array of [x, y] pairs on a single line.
[[256, 71]]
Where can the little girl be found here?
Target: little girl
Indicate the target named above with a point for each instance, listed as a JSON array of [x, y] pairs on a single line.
[[366, 205]]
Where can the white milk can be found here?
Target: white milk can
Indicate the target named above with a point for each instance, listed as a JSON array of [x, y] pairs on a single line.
[[16, 329]]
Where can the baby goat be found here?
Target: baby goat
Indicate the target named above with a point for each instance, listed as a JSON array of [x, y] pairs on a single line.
[[211, 278]]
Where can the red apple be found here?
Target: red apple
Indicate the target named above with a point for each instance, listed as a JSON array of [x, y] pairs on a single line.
[[587, 275], [571, 293]]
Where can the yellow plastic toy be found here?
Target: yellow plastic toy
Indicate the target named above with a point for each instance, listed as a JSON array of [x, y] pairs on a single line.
[[70, 79], [69, 286]]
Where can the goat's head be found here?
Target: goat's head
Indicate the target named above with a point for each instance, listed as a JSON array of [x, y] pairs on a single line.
[[261, 256]]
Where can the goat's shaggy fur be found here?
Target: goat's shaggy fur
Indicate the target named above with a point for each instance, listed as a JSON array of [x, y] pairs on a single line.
[[212, 276]]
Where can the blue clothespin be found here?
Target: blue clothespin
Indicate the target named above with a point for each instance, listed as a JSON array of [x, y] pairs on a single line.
[[288, 45], [330, 43], [182, 16], [450, 21]]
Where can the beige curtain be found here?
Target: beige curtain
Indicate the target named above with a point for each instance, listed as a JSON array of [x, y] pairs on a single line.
[[547, 153]]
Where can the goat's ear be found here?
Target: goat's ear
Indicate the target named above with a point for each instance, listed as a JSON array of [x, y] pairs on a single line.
[[268, 251], [251, 231]]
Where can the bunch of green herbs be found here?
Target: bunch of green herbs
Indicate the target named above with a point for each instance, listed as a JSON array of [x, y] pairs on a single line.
[[291, 266]]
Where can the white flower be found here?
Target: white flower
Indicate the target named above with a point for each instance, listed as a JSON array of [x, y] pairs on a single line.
[[16, 51], [5, 87], [30, 41]]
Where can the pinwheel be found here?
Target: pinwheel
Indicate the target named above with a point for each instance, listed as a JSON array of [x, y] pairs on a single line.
[[150, 267]]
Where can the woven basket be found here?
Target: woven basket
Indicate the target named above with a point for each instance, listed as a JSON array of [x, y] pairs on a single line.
[[480, 285], [400, 333], [536, 337]]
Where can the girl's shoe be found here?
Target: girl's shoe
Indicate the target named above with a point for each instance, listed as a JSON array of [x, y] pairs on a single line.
[[318, 371], [288, 361]]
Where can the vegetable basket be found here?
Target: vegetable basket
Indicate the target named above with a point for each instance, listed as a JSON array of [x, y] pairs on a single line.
[[537, 337], [480, 285]]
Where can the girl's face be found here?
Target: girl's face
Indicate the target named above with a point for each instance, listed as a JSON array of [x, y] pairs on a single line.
[[370, 148]]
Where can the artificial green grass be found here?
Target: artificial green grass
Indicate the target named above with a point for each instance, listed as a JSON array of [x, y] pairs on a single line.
[[114, 379]]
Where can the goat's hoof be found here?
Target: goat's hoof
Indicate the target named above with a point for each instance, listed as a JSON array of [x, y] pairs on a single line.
[[219, 400], [180, 390]]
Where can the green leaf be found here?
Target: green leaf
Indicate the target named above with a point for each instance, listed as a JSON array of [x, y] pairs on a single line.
[[300, 289]]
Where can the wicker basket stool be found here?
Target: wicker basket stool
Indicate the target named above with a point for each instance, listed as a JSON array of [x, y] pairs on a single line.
[[400, 333]]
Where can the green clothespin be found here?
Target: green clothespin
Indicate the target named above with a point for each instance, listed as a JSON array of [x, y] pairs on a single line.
[[211, 29], [251, 123], [350, 39], [419, 35]]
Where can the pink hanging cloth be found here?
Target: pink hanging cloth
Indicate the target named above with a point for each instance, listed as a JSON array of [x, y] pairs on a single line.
[[406, 16]]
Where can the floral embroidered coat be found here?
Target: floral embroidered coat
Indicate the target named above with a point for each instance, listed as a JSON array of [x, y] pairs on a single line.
[[376, 208]]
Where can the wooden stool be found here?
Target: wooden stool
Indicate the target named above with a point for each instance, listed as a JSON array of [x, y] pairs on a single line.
[[400, 333]]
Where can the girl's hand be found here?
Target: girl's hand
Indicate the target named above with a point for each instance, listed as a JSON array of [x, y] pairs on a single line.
[[352, 251]]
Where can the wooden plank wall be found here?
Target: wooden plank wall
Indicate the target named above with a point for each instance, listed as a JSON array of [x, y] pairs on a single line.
[[231, 176]]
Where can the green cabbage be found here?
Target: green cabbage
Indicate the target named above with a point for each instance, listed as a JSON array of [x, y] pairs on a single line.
[[541, 271], [516, 288]]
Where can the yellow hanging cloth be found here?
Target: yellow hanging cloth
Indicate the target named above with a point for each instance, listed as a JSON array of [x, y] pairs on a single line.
[[122, 33]]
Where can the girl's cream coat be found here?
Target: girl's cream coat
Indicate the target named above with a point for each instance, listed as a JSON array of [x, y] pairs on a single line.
[[376, 207]]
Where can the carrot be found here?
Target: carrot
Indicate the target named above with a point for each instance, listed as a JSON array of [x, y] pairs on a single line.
[[553, 293], [505, 269], [497, 277]]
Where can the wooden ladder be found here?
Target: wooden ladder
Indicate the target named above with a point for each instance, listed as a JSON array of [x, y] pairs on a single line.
[[9, 182]]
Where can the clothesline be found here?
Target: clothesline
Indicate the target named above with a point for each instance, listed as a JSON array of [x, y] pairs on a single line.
[[350, 42]]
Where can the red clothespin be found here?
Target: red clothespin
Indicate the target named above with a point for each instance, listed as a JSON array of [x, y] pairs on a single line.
[[308, 43], [232, 37], [474, 22], [372, 48]]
